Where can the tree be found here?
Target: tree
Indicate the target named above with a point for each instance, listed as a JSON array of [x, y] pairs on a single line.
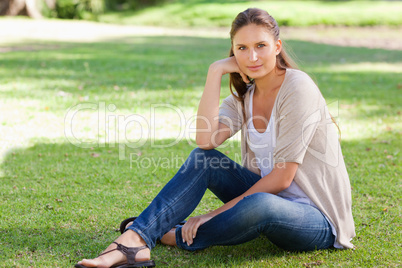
[[23, 7]]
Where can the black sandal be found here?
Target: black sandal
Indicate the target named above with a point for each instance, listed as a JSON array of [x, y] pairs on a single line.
[[130, 253], [124, 223]]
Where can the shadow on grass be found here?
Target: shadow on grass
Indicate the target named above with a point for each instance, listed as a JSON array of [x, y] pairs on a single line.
[[64, 247], [46, 247], [172, 64], [60, 203]]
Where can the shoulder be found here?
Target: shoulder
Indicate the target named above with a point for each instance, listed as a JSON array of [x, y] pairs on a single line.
[[230, 106], [229, 101], [298, 94], [298, 80], [298, 86]]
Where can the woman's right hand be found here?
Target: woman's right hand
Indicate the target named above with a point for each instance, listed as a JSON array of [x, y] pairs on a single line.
[[229, 65], [190, 228]]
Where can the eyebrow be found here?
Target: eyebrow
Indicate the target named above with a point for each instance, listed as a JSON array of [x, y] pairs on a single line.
[[242, 45]]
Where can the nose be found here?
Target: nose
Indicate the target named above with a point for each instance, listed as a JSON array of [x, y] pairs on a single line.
[[253, 55]]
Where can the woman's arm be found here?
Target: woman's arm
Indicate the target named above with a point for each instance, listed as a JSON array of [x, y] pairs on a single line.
[[278, 180], [211, 133]]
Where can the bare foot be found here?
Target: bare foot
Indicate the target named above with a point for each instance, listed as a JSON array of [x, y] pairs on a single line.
[[128, 239], [169, 238]]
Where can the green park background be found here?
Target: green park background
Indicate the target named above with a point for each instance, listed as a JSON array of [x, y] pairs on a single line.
[[96, 115]]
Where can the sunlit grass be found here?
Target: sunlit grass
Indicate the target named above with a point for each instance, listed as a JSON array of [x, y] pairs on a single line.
[[366, 67], [288, 13]]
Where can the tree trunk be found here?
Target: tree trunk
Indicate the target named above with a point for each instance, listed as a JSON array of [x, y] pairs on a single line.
[[20, 7]]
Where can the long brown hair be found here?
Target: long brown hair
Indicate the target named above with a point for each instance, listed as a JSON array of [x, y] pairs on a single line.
[[283, 60], [258, 17]]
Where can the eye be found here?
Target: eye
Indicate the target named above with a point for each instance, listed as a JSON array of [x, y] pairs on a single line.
[[242, 48], [261, 45]]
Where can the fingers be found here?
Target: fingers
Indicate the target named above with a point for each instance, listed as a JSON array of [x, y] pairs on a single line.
[[244, 77], [189, 230], [187, 233]]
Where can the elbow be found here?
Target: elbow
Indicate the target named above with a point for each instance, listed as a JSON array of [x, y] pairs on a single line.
[[206, 147], [285, 175], [204, 144], [286, 184], [281, 185]]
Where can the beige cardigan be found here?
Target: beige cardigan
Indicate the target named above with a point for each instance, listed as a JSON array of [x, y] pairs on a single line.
[[305, 135]]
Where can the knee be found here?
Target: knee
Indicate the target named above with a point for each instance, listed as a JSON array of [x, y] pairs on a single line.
[[201, 159], [201, 156], [197, 152]]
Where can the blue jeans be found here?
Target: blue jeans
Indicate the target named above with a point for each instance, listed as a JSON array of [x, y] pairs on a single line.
[[289, 225]]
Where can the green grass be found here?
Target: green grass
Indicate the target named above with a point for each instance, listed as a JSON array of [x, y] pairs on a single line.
[[60, 203], [288, 13]]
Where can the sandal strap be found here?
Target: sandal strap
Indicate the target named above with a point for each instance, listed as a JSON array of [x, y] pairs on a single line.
[[130, 253], [107, 251]]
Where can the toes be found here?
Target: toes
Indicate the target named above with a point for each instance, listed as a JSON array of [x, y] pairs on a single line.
[[89, 262]]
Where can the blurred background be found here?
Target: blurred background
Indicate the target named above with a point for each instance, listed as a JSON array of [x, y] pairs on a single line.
[[208, 13]]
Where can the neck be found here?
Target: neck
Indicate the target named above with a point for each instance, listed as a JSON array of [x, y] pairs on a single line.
[[269, 84]]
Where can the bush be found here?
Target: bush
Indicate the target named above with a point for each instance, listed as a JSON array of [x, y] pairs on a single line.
[[76, 9], [90, 9], [131, 4]]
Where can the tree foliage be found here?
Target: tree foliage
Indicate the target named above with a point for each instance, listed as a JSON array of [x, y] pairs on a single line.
[[69, 9], [131, 4], [78, 9]]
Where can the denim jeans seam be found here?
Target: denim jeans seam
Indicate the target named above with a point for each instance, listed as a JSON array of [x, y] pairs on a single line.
[[291, 227]]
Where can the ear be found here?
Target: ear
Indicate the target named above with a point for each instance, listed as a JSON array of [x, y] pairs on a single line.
[[278, 47]]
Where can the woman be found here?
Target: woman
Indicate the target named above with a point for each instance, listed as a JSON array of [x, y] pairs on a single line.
[[292, 186]]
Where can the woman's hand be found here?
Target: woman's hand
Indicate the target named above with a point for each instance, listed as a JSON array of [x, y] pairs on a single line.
[[229, 65], [189, 229]]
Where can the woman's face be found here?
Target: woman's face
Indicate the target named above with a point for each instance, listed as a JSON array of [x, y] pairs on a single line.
[[255, 50]]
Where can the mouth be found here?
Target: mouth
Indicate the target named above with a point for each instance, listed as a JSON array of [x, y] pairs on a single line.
[[254, 68]]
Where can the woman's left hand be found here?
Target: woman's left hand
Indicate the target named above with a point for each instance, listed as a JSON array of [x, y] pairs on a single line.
[[189, 229]]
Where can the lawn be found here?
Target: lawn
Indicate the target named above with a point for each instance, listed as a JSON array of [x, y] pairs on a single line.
[[71, 173], [207, 13]]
